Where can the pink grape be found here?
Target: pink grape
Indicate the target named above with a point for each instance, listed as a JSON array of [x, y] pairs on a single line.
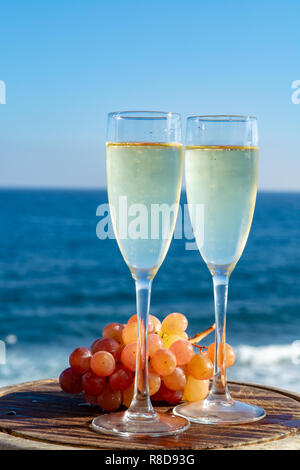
[[107, 344], [154, 343], [158, 395], [90, 399], [113, 331], [80, 359], [229, 354], [171, 396], [128, 395], [128, 356], [110, 400], [70, 381], [151, 327], [183, 351], [92, 384], [154, 382], [163, 361], [156, 322], [176, 380], [121, 378]]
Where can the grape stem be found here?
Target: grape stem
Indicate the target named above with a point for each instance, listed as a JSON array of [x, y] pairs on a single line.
[[200, 336], [202, 348]]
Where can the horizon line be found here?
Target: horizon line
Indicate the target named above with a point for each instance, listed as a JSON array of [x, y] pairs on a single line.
[[103, 188]]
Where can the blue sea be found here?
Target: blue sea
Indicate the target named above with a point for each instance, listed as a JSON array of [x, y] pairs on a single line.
[[60, 284]]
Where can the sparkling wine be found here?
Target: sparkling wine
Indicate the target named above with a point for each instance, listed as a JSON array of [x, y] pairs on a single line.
[[141, 179], [223, 180]]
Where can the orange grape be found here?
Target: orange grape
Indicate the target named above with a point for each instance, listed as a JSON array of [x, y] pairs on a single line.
[[129, 333], [150, 367], [229, 354], [201, 367], [183, 351], [128, 356], [195, 390], [176, 380], [103, 363], [133, 319], [154, 343], [185, 369], [211, 352], [154, 382], [163, 361], [156, 322], [174, 323], [151, 327]]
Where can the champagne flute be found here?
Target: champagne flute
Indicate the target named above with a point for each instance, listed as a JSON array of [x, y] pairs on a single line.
[[144, 172], [221, 178]]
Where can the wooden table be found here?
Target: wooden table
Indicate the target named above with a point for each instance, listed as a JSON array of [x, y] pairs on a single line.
[[38, 415]]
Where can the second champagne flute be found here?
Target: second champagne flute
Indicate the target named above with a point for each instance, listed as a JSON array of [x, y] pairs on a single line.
[[221, 179], [144, 172]]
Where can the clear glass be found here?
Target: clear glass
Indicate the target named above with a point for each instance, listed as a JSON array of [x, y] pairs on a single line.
[[221, 179], [144, 172]]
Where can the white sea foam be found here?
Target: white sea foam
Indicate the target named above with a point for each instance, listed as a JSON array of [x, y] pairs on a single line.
[[269, 355], [274, 365], [32, 364]]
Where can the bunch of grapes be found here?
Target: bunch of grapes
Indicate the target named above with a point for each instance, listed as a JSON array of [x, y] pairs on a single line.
[[105, 372]]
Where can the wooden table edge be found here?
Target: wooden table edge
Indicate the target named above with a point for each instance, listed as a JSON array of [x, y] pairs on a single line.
[[14, 442]]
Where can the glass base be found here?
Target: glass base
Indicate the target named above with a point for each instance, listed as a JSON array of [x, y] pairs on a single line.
[[161, 425], [220, 412]]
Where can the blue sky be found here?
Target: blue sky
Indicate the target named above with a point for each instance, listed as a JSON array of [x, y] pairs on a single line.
[[67, 63]]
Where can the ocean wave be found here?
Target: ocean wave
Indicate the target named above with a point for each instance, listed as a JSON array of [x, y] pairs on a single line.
[[277, 365], [269, 355]]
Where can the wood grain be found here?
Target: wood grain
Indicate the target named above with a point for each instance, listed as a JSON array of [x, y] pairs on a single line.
[[39, 411]]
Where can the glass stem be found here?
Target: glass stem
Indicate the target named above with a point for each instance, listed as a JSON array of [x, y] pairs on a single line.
[[141, 406], [219, 391]]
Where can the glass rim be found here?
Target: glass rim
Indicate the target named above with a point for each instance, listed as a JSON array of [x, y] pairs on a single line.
[[223, 118], [143, 115]]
